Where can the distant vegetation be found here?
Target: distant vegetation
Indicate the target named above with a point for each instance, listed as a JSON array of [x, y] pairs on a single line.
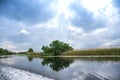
[[106, 51], [31, 52], [56, 48], [5, 52]]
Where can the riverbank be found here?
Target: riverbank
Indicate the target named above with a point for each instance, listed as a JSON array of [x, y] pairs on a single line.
[[111, 52]]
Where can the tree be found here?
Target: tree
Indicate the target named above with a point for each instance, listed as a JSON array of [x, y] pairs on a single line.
[[30, 50], [5, 52], [56, 47]]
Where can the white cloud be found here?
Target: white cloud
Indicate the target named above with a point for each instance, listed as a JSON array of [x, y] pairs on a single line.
[[110, 44], [76, 30], [24, 31], [24, 35], [99, 31], [62, 7], [53, 23], [95, 5], [16, 47], [8, 45], [102, 9]]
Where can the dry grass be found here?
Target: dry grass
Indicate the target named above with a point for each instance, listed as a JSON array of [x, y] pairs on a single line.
[[106, 51]]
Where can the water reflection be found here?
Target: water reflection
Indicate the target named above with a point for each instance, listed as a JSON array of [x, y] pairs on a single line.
[[30, 58], [60, 63], [71, 68], [56, 63], [99, 59]]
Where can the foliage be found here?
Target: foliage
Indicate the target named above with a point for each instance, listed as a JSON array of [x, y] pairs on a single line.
[[5, 52], [56, 47], [30, 50]]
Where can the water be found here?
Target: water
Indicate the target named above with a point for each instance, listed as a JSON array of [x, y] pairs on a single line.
[[49, 68]]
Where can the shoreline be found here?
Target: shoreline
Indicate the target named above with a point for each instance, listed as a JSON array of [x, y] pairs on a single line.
[[84, 56]]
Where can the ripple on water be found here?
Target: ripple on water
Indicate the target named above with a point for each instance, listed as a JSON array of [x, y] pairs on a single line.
[[10, 73]]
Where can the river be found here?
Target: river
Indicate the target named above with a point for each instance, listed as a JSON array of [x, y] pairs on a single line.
[[59, 68]]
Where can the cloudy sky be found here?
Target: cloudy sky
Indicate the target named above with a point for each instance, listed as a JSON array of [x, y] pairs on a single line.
[[81, 23]]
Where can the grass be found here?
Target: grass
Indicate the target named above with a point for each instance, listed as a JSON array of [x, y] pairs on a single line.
[[91, 52]]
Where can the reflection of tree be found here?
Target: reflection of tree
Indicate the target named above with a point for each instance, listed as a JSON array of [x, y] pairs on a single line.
[[56, 63], [30, 58]]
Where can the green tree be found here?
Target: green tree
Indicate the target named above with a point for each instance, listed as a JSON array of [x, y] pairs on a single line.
[[57, 47], [46, 49], [30, 50], [5, 52]]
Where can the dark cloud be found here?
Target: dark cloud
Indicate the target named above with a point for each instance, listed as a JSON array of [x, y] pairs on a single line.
[[84, 18], [30, 11]]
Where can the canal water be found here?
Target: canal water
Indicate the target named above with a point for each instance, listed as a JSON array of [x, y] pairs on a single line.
[[59, 68]]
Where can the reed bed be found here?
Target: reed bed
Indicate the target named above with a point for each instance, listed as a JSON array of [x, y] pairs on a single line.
[[105, 51]]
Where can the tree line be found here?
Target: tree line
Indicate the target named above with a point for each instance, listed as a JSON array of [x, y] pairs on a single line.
[[54, 48], [5, 52]]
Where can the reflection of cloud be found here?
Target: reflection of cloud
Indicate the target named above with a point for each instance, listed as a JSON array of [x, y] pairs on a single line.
[[8, 61], [85, 70], [86, 75], [78, 76]]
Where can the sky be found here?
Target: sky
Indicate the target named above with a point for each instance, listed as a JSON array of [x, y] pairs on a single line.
[[83, 24]]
